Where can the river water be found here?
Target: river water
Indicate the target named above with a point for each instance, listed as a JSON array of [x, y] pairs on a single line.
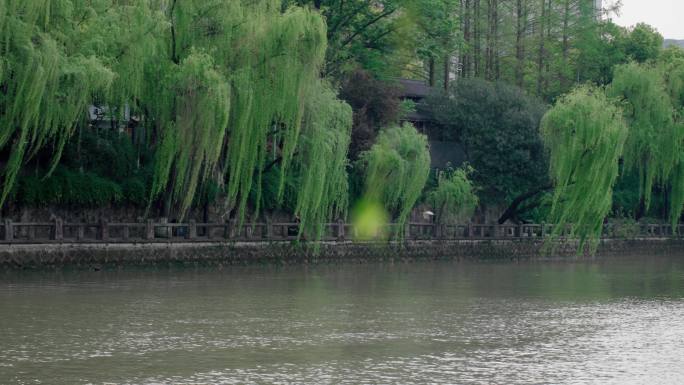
[[617, 321]]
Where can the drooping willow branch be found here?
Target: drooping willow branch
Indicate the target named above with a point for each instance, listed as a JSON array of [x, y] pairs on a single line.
[[397, 168], [208, 78], [585, 135]]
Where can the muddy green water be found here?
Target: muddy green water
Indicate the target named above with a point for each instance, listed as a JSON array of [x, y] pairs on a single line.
[[617, 321]]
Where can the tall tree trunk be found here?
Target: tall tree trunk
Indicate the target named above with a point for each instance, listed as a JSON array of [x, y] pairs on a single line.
[[431, 72], [541, 52], [447, 71], [495, 39], [492, 50], [562, 74], [489, 41], [521, 28], [547, 70], [477, 36], [467, 48]]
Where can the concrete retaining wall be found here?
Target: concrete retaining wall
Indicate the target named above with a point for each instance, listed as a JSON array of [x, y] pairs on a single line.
[[104, 256]]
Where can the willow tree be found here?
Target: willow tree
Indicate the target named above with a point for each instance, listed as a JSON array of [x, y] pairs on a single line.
[[268, 60], [651, 97], [585, 134], [321, 169], [454, 198], [46, 82], [655, 142], [672, 67], [397, 168], [222, 87]]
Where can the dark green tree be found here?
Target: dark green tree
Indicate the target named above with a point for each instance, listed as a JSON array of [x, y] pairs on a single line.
[[498, 124], [643, 43]]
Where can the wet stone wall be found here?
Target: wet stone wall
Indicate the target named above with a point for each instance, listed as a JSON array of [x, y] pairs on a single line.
[[107, 256]]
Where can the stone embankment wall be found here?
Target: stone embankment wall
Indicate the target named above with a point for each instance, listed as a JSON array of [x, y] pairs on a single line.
[[107, 256]]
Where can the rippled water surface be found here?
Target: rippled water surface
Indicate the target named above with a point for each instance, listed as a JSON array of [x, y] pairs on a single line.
[[601, 322]]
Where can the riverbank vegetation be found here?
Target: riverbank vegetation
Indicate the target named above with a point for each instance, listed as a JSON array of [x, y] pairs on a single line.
[[295, 107]]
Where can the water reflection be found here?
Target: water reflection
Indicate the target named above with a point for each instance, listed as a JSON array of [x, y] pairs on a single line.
[[610, 321]]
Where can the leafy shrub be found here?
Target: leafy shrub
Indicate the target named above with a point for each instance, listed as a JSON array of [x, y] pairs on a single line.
[[67, 187], [135, 191], [623, 227], [104, 152]]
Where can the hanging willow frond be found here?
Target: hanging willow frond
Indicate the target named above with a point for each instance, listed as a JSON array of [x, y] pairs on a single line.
[[585, 134], [454, 197], [219, 86], [654, 142], [321, 165], [397, 168], [46, 86], [672, 69], [192, 145]]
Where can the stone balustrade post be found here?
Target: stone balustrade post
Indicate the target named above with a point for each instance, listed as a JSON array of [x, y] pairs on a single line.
[[163, 230], [58, 229], [104, 230], [31, 232], [269, 230], [192, 229], [9, 230], [149, 229], [340, 230], [437, 230], [231, 226]]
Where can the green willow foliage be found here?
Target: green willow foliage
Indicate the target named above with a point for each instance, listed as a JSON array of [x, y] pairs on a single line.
[[46, 82], [676, 184], [240, 91], [454, 198], [193, 143], [654, 143], [651, 97], [672, 68], [322, 165], [397, 168], [585, 134], [221, 88]]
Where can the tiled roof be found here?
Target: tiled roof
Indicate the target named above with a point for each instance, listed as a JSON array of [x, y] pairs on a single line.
[[414, 88]]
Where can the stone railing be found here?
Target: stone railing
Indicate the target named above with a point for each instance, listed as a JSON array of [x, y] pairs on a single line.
[[151, 231]]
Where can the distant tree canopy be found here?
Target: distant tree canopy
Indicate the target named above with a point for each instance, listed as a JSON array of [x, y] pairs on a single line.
[[387, 38], [643, 43], [498, 125]]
